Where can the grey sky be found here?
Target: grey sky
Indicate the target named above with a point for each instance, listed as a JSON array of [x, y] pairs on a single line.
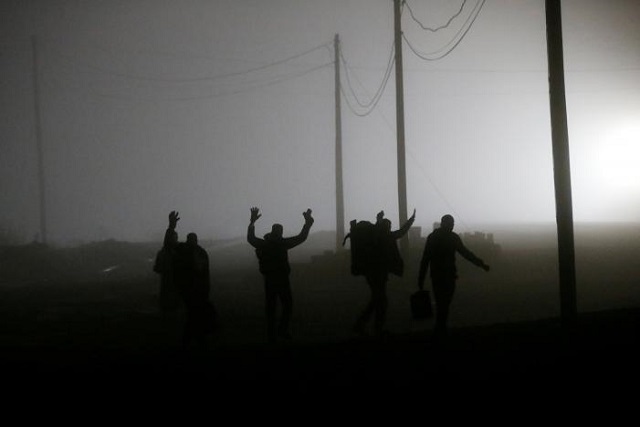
[[136, 123]]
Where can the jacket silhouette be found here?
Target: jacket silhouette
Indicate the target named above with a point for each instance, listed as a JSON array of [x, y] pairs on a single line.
[[440, 255], [382, 258], [273, 260]]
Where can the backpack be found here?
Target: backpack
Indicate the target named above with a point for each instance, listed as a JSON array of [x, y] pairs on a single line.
[[371, 252], [363, 246]]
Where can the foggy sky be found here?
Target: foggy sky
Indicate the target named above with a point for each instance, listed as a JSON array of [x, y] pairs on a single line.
[[136, 120]]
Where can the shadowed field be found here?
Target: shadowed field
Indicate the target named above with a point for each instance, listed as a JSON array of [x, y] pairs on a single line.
[[91, 317]]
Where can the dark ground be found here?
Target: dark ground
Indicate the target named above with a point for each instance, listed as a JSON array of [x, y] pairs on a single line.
[[101, 362], [598, 347], [67, 339]]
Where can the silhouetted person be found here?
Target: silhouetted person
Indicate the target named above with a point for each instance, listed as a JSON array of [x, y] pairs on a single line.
[[192, 266], [440, 253], [272, 253], [382, 260], [169, 296]]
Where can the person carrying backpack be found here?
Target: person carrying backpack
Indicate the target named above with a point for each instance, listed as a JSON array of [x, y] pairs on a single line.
[[374, 255]]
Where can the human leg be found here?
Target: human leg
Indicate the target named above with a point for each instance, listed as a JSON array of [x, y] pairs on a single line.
[[380, 304], [366, 313], [443, 290], [286, 299], [270, 306]]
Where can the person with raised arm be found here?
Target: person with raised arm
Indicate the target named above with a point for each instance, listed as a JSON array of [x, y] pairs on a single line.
[[273, 259]]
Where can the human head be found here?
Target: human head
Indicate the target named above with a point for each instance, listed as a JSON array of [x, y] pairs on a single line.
[[192, 239], [276, 231], [446, 222]]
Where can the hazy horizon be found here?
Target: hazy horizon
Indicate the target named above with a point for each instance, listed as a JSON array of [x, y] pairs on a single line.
[[210, 108]]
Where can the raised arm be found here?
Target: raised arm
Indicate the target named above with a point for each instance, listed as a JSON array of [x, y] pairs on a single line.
[[294, 241], [251, 230], [169, 235], [405, 227]]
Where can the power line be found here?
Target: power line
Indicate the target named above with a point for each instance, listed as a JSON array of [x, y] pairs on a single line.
[[378, 93], [283, 79], [455, 41], [437, 190], [423, 170], [459, 36], [433, 30], [131, 76]]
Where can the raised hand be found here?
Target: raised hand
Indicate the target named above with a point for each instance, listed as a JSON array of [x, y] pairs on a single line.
[[413, 216], [173, 219], [307, 216], [255, 214], [380, 216]]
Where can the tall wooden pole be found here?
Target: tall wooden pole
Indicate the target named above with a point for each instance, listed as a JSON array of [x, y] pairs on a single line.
[[402, 174], [339, 187], [38, 129], [561, 164]]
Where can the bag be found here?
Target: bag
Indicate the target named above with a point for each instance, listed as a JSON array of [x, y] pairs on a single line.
[[363, 246], [421, 305], [372, 252]]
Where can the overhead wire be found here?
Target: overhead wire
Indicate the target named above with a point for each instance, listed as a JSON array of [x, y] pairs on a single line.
[[258, 83], [373, 107], [282, 79], [437, 55], [441, 27], [347, 73], [455, 41], [372, 103], [448, 48], [132, 76], [423, 170], [383, 85]]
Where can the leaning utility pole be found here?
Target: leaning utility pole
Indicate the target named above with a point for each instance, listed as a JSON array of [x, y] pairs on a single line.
[[402, 174], [339, 188], [37, 123], [561, 165]]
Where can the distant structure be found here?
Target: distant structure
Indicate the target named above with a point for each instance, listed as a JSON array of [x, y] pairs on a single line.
[[483, 242]]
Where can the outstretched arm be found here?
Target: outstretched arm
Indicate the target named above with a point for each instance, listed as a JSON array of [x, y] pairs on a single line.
[[470, 256], [294, 241], [251, 230], [405, 227]]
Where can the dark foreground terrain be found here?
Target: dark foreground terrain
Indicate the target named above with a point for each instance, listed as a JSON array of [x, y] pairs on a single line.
[[97, 353], [85, 325]]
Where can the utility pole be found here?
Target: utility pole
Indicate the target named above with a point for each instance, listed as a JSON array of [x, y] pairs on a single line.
[[402, 174], [339, 188], [561, 164], [38, 129]]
